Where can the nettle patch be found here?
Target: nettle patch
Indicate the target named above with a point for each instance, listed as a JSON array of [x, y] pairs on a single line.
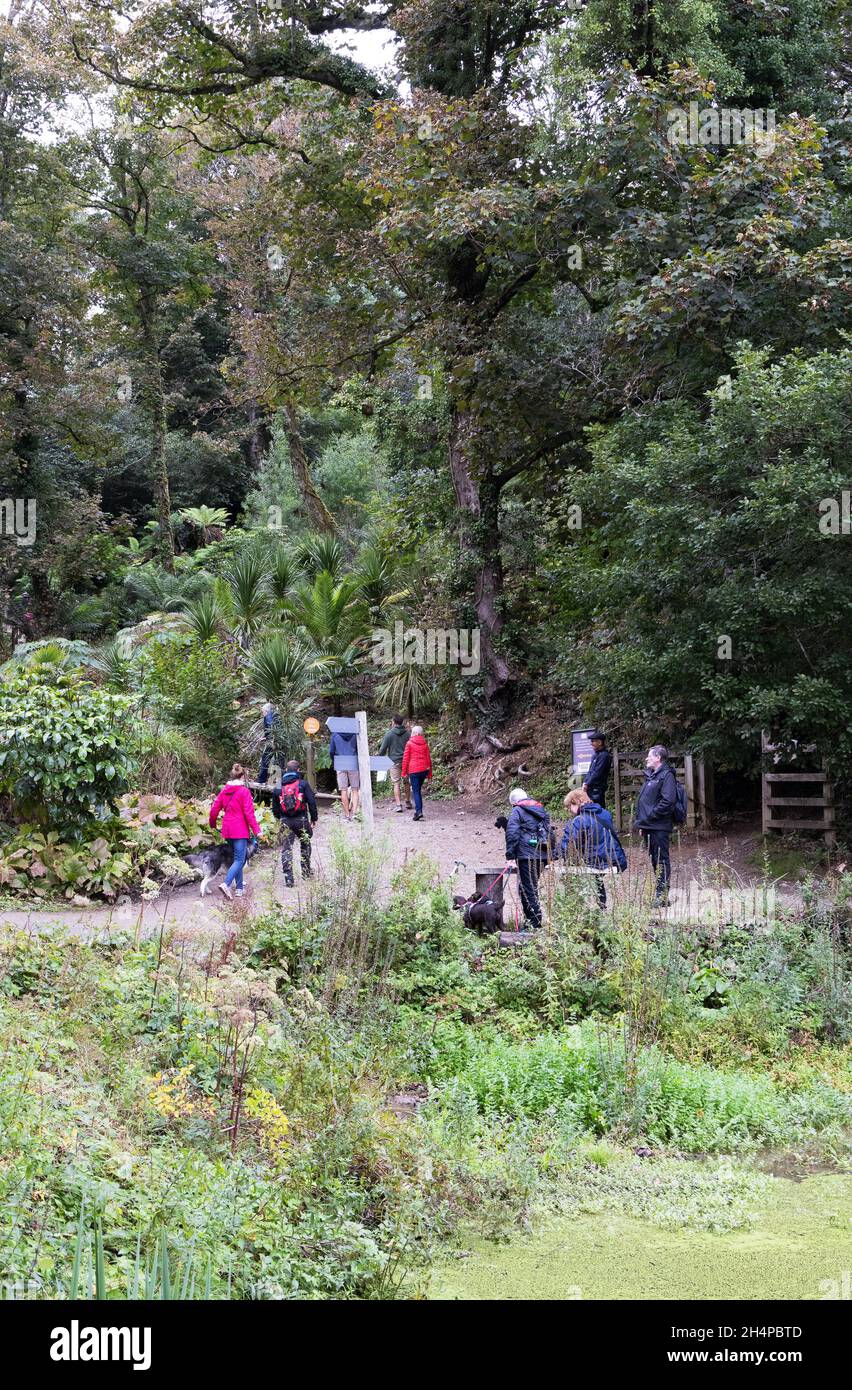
[[140, 849]]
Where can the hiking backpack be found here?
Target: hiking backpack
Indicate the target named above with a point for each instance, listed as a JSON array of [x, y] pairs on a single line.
[[292, 800], [679, 813]]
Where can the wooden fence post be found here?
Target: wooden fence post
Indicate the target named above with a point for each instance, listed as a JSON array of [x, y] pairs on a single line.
[[689, 785], [616, 787], [705, 794], [828, 809], [364, 770]]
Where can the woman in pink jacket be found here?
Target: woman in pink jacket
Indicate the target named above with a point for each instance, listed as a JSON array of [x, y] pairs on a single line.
[[239, 823]]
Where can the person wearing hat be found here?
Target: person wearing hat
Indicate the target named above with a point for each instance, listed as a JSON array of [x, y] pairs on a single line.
[[597, 777]]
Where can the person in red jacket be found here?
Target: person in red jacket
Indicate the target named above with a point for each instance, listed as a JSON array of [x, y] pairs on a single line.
[[417, 766], [239, 824]]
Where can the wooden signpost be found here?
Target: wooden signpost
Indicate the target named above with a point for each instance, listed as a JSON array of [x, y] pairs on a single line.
[[311, 727], [363, 763]]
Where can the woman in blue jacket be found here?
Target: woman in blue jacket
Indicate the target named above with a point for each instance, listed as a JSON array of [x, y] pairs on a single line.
[[589, 838]]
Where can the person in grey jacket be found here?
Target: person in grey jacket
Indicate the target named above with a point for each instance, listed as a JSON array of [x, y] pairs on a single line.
[[393, 747], [655, 811]]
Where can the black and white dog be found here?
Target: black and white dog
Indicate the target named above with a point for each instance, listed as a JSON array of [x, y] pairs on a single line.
[[214, 859]]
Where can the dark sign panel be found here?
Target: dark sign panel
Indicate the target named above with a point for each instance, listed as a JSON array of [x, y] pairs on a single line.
[[582, 751]]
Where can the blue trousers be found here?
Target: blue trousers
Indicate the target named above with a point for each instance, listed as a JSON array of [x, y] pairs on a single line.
[[235, 873], [416, 780]]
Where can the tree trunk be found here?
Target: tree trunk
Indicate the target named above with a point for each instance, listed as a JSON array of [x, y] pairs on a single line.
[[321, 518], [260, 439], [643, 37], [155, 406], [479, 504]]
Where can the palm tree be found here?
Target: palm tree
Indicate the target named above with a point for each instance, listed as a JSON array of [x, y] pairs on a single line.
[[284, 672], [52, 656], [411, 687], [335, 622], [210, 521], [320, 552], [249, 593], [285, 571], [116, 662], [379, 581], [205, 616]]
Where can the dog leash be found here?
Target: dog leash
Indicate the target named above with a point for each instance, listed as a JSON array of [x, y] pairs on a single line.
[[497, 880], [502, 873]]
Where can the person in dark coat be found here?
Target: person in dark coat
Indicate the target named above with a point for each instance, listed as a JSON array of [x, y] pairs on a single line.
[[528, 842], [294, 806], [597, 777], [270, 721], [590, 838], [655, 811]]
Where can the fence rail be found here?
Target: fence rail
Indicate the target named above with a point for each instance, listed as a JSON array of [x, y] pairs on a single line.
[[628, 772]]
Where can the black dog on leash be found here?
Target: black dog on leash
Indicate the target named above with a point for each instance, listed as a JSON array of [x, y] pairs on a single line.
[[482, 915], [214, 859]]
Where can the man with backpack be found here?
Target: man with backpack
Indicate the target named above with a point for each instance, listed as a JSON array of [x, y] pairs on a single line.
[[294, 806], [529, 841], [590, 839], [661, 804]]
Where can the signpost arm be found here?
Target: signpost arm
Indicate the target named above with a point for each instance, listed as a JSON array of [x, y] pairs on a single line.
[[364, 770]]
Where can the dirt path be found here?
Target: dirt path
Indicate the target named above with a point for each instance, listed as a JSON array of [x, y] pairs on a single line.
[[460, 837]]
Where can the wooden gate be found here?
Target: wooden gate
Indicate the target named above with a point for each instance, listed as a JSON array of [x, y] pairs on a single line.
[[628, 773], [806, 794]]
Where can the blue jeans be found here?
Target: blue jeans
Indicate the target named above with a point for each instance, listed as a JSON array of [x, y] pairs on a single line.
[[236, 870], [416, 780]]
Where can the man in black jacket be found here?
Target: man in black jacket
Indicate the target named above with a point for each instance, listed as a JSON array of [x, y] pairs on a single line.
[[529, 843], [597, 777], [655, 815], [294, 806]]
